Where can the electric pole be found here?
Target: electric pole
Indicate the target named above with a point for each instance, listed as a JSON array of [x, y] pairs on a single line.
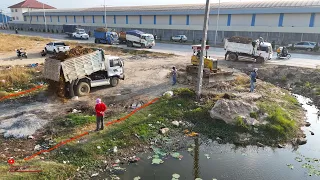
[[105, 14], [45, 19], [203, 47], [215, 36]]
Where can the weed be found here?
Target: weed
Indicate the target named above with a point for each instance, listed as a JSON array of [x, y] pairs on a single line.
[[291, 99], [242, 80], [184, 92], [307, 85], [73, 120], [254, 115]]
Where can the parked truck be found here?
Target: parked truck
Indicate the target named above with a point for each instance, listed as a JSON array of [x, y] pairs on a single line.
[[75, 31], [82, 73], [136, 38], [122, 37], [106, 37], [258, 50]]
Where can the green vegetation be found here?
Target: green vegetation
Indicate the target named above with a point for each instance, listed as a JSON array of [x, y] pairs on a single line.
[[74, 120], [254, 115], [307, 85], [240, 123]]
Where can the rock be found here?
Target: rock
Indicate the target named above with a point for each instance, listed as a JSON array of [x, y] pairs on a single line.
[[168, 93], [42, 158], [301, 141], [75, 98], [251, 121], [312, 133], [115, 149], [218, 139], [228, 110], [95, 174], [164, 130], [98, 147], [76, 111], [260, 144], [2, 156], [175, 123], [307, 124], [30, 137], [16, 150], [179, 105], [37, 148]]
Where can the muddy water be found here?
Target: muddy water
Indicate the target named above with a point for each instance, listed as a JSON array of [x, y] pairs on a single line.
[[225, 162]]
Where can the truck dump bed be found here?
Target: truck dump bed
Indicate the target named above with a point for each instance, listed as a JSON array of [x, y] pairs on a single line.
[[238, 47], [74, 68]]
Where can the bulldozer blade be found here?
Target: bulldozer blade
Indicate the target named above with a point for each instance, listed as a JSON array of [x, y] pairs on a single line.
[[221, 76]]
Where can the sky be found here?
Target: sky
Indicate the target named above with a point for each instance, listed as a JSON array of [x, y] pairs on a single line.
[[94, 3]]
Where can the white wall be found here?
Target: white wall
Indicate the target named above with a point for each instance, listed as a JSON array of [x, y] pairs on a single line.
[[121, 19], [317, 20], [240, 20], [79, 19], [179, 20], [134, 19], [147, 19], [196, 20], [98, 19], [88, 19], [163, 20], [223, 19], [267, 20], [110, 20], [296, 20]]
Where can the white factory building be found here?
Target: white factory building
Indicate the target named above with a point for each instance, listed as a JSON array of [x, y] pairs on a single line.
[[281, 20]]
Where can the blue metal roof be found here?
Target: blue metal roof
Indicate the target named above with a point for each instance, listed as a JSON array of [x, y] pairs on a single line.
[[258, 7]]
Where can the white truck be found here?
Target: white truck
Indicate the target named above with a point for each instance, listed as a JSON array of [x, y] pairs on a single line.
[[56, 47], [85, 72], [136, 38], [258, 50]]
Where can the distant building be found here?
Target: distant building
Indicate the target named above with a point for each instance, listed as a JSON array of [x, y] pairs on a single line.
[[26, 6], [4, 18]]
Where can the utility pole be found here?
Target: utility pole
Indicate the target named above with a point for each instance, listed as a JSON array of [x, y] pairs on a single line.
[[105, 14], [45, 19], [29, 15], [215, 36], [203, 46]]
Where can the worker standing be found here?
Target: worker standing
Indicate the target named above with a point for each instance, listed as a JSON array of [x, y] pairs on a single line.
[[100, 109], [253, 79], [174, 75]]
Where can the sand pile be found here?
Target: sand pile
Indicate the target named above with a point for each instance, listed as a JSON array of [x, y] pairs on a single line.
[[74, 52]]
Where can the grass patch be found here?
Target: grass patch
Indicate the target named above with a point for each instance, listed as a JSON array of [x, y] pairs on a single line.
[[74, 120], [254, 115], [18, 78]]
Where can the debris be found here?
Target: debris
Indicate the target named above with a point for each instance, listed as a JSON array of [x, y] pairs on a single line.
[[301, 141], [164, 130], [312, 133], [76, 111], [137, 178], [179, 105], [115, 149], [244, 154], [198, 179], [98, 147], [193, 134], [117, 161], [30, 137], [186, 131], [207, 156], [74, 52], [16, 150], [176, 155], [175, 123], [218, 139], [75, 98], [149, 115], [290, 166], [157, 161], [133, 159], [37, 147], [190, 150], [307, 124], [64, 162], [260, 144], [176, 176], [281, 145], [298, 159], [168, 93], [95, 174]]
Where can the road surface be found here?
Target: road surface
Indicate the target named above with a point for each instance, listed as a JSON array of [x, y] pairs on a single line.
[[299, 60]]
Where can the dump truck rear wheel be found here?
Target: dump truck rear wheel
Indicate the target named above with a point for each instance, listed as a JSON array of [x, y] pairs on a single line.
[[233, 57], [114, 81], [83, 89]]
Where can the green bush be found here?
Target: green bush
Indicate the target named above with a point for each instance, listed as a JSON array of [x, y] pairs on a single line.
[[307, 85], [184, 92], [44, 30], [52, 31], [73, 120], [254, 115], [57, 31]]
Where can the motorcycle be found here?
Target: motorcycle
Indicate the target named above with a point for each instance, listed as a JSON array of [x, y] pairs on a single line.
[[16, 31], [283, 56], [21, 54]]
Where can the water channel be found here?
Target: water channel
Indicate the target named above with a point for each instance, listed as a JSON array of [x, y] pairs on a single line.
[[225, 162]]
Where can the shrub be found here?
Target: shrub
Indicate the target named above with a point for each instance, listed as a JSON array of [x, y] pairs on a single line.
[[52, 31], [254, 115], [207, 42], [44, 30], [307, 85], [240, 123]]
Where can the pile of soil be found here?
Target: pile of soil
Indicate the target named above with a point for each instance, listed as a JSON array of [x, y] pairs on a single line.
[[102, 29], [74, 52], [239, 39]]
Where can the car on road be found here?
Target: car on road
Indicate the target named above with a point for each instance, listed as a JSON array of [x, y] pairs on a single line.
[[56, 47], [179, 38], [80, 35], [304, 45]]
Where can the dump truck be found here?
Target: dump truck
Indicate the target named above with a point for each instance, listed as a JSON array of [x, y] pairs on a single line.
[[258, 50], [122, 37], [105, 37], [80, 74], [136, 38]]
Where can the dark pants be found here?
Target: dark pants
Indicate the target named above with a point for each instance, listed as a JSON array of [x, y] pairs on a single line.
[[99, 121]]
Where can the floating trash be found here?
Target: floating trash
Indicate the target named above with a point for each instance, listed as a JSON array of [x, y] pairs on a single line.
[[176, 155], [290, 166], [137, 178], [193, 134], [309, 159], [98, 147], [298, 159], [157, 161], [190, 150], [176, 176], [207, 156]]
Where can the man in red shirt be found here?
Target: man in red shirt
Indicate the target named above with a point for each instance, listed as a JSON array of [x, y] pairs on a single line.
[[100, 109]]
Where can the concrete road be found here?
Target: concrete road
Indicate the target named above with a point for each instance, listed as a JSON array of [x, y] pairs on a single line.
[[303, 60]]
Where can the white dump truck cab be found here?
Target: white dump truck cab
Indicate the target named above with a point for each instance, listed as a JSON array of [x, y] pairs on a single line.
[[147, 40], [265, 50], [136, 38]]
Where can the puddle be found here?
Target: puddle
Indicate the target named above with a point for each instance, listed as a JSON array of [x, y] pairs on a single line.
[[225, 162]]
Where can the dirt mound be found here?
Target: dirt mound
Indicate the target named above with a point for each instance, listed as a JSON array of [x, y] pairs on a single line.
[[74, 52], [102, 29], [239, 39]]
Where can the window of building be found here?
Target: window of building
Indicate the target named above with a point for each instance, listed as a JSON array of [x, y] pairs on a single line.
[[13, 18], [12, 10], [17, 18], [16, 10]]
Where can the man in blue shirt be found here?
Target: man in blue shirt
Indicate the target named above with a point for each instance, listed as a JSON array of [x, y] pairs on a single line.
[[253, 77]]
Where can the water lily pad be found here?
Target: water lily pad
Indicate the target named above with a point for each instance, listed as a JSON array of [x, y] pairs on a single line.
[[298, 159], [315, 160], [309, 160], [137, 178], [177, 176], [157, 161], [290, 166], [214, 179], [176, 155]]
